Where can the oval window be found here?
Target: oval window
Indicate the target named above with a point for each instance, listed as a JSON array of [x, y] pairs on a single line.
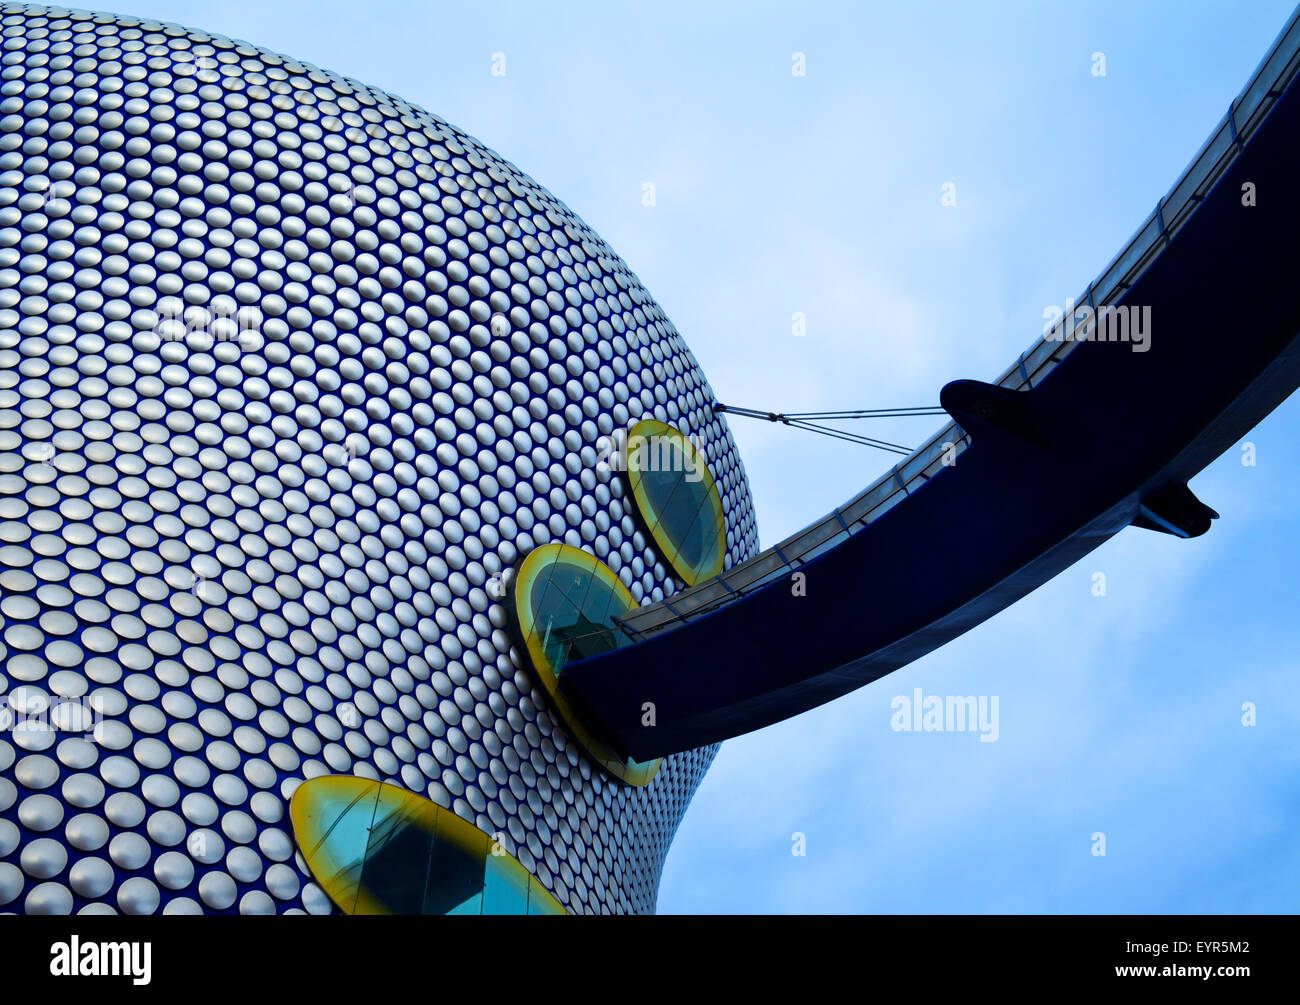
[[565, 603], [375, 848], [676, 498]]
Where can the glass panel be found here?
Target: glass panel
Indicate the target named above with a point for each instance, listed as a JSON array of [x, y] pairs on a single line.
[[1191, 180], [809, 539], [1175, 217], [747, 574], [677, 499], [455, 878], [378, 849], [857, 508], [1011, 378], [397, 855], [700, 596], [1148, 243], [841, 535], [333, 829], [564, 604], [1126, 259], [886, 505], [760, 581], [1273, 72], [645, 618], [1037, 362], [1216, 157], [926, 454], [540, 900], [506, 891], [572, 608]]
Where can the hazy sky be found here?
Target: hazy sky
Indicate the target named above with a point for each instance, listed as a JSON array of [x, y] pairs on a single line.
[[820, 194]]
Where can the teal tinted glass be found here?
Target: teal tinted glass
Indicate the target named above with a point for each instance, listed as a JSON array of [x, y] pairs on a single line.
[[677, 499], [454, 881], [538, 902], [683, 507], [507, 888], [379, 849], [566, 604], [397, 857], [346, 839], [574, 609]]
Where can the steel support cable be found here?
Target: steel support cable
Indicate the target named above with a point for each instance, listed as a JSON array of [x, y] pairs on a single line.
[[854, 413], [802, 420]]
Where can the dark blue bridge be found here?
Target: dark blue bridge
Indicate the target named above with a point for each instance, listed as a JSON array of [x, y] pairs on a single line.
[[1078, 440]]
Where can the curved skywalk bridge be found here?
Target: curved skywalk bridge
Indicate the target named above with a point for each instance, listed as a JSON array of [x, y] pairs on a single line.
[[1075, 441]]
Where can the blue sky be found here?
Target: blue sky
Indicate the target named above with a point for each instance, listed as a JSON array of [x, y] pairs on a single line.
[[820, 194]]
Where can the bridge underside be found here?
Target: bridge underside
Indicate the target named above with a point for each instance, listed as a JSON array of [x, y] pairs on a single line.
[[1108, 439]]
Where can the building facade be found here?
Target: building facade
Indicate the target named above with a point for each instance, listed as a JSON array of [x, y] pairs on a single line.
[[291, 373]]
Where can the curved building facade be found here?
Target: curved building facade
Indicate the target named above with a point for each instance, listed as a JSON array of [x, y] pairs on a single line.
[[292, 373]]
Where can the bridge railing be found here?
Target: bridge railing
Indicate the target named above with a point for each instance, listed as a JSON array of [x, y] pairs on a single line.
[[1225, 143]]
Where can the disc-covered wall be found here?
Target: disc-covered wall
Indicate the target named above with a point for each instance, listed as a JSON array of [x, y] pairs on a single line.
[[289, 370]]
